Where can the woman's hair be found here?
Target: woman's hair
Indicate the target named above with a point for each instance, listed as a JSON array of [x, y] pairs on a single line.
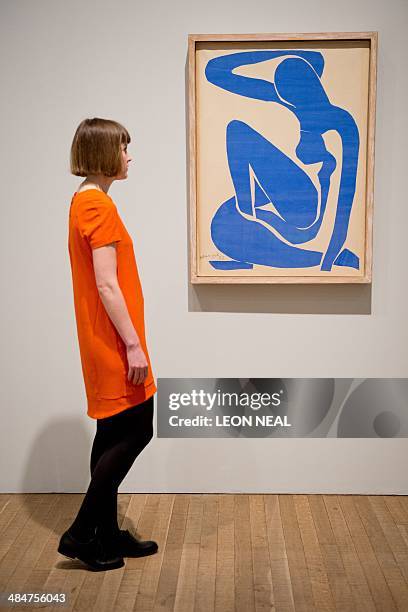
[[96, 147]]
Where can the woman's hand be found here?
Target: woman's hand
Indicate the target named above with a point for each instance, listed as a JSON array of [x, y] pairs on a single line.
[[137, 363]]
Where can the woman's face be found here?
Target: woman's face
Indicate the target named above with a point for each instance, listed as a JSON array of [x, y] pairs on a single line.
[[125, 162]]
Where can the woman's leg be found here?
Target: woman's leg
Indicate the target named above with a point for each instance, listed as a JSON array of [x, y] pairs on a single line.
[[105, 437], [118, 441]]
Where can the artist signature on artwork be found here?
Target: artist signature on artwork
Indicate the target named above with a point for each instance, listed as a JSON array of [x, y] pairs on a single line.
[[213, 256]]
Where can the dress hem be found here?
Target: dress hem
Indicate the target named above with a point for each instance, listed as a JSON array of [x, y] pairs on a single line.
[[102, 408]]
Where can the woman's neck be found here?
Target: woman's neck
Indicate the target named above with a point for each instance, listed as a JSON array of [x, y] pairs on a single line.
[[101, 183]]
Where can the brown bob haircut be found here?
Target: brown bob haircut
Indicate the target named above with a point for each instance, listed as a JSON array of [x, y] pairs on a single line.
[[96, 147]]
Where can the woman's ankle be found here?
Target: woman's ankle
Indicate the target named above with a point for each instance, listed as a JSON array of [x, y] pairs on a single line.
[[82, 535]]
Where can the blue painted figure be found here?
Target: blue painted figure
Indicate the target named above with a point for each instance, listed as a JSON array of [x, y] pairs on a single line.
[[252, 159]]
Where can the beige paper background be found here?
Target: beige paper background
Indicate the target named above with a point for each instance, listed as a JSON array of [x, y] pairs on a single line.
[[345, 81]]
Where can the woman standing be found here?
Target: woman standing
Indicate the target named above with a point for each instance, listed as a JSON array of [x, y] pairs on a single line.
[[109, 310]]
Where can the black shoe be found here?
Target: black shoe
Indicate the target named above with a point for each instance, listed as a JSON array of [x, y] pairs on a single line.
[[93, 553], [129, 546]]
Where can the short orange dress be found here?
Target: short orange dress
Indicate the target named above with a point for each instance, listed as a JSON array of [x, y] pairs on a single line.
[[94, 221]]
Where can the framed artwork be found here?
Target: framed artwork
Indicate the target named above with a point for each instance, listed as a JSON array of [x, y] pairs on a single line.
[[281, 157]]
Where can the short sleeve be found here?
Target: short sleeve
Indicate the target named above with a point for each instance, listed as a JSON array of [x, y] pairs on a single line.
[[98, 223]]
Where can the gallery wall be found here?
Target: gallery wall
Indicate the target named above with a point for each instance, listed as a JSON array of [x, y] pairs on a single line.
[[63, 62]]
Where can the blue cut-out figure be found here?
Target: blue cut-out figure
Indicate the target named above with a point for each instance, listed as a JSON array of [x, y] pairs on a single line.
[[235, 227]]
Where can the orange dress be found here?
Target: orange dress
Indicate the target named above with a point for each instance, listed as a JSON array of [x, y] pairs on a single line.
[[93, 222]]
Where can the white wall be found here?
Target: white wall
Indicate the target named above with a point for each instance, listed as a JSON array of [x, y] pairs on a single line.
[[64, 61]]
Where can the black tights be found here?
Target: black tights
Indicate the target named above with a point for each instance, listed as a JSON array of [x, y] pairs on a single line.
[[119, 439]]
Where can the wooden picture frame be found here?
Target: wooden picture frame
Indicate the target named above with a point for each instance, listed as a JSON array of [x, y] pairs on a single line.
[[266, 179]]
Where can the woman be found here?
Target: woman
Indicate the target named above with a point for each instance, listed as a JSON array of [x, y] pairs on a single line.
[[109, 310]]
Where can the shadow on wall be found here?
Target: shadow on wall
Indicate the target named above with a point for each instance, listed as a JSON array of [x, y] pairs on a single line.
[[59, 463], [58, 460]]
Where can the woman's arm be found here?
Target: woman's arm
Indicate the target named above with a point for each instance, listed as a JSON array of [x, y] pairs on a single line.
[[104, 261]]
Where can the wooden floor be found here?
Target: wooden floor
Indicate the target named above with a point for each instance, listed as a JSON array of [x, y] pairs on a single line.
[[220, 552]]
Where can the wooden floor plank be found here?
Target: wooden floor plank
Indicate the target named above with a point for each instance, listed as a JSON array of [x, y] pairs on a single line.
[[225, 579], [403, 499], [187, 578], [299, 575], [322, 594], [263, 588], [167, 585], [403, 529], [244, 574], [207, 559], [5, 499], [282, 586]]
